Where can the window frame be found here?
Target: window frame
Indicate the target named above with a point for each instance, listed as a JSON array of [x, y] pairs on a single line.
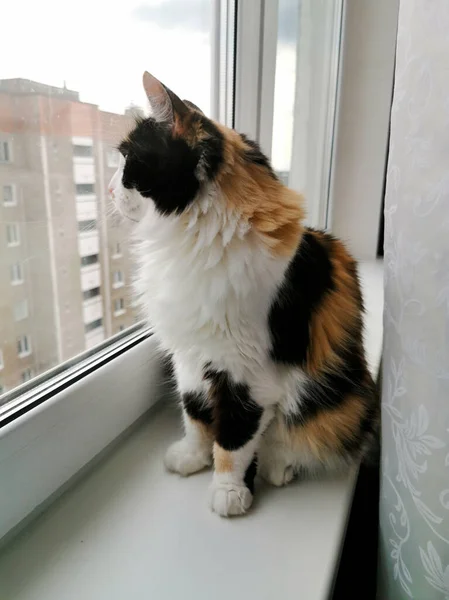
[[74, 411], [122, 309], [25, 337], [10, 158], [19, 280], [120, 282], [13, 228], [21, 303], [13, 194]]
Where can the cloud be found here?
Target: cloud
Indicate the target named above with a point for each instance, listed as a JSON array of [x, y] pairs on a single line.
[[196, 15]]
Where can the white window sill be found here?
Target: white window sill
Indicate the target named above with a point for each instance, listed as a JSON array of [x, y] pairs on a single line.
[[116, 256], [118, 285], [130, 530], [9, 204], [119, 313], [24, 354], [17, 282], [13, 245]]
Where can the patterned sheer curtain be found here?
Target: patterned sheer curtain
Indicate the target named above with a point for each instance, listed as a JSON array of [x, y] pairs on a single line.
[[414, 509]]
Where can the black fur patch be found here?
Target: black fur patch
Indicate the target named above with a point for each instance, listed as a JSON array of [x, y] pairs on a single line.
[[196, 408], [307, 281], [236, 415], [250, 475], [163, 167], [255, 155]]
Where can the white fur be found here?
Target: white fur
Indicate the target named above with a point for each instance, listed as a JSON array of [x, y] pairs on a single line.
[[206, 282]]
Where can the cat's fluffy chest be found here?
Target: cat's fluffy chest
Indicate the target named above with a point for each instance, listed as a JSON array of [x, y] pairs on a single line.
[[219, 312]]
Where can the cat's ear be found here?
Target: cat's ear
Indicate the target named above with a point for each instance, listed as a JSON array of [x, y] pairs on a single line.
[[194, 106], [165, 105]]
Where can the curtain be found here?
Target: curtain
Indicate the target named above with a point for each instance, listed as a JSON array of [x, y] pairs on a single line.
[[414, 499]]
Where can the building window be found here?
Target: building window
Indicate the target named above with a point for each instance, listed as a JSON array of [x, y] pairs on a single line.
[[21, 310], [88, 225], [92, 259], [93, 325], [16, 273], [9, 195], [83, 189], [5, 151], [26, 375], [117, 250], [83, 151], [92, 293], [112, 158], [119, 306], [23, 346], [12, 234], [118, 280], [2, 364]]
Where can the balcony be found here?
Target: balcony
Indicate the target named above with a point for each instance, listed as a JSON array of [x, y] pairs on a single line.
[[83, 160], [92, 309], [94, 337], [88, 243], [90, 277], [86, 209], [84, 172]]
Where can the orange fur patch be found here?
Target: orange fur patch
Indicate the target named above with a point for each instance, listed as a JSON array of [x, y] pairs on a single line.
[[338, 318], [274, 211], [223, 461], [327, 432]]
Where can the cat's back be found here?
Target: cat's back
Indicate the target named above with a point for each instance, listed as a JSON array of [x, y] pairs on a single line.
[[316, 315]]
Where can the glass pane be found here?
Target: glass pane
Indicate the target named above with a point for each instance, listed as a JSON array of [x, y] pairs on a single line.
[[304, 101], [65, 266]]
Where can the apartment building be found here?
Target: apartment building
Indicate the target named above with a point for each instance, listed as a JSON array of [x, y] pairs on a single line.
[[65, 266]]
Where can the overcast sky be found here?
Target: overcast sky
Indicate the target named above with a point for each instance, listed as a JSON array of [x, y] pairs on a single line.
[[101, 48]]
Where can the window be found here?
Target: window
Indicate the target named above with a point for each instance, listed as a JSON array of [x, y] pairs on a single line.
[[23, 346], [119, 306], [84, 189], [88, 294], [89, 260], [21, 310], [304, 97], [9, 195], [118, 279], [82, 151], [12, 234], [112, 158], [16, 274], [93, 325], [5, 151], [26, 375], [88, 225], [2, 364], [73, 158]]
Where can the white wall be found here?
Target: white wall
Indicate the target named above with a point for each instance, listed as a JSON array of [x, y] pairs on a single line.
[[368, 52]]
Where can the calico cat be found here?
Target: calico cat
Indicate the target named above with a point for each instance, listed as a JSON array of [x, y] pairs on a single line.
[[262, 316]]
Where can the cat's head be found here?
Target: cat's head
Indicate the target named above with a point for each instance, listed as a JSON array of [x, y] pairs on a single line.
[[167, 157], [178, 160]]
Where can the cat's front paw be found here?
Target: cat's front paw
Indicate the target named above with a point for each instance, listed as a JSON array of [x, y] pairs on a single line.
[[185, 458], [230, 499]]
